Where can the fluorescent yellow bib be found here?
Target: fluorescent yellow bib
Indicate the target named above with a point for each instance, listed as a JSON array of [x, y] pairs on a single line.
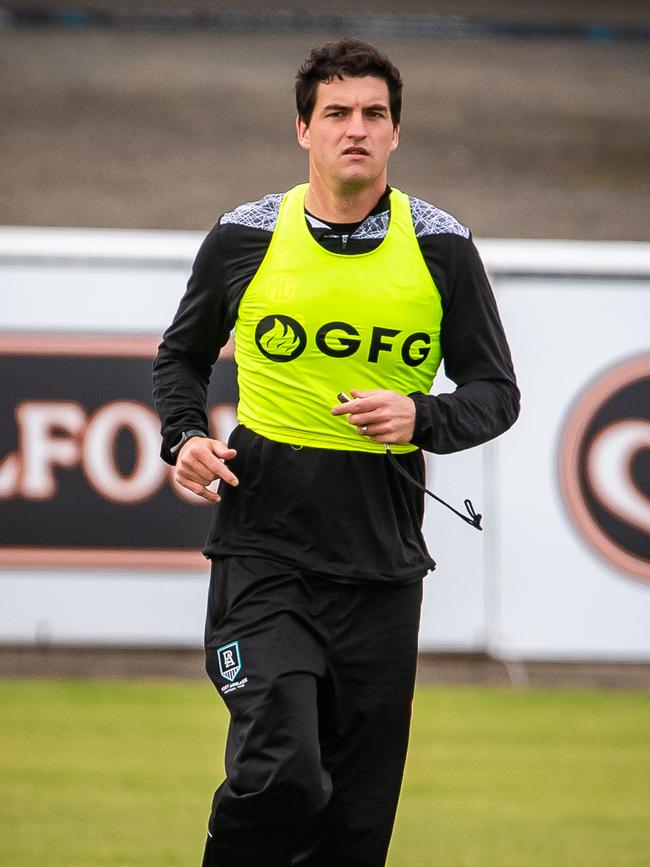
[[313, 323]]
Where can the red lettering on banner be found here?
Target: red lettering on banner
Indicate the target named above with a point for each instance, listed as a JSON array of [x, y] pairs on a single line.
[[223, 418], [58, 435], [100, 468], [609, 463], [9, 476], [49, 437]]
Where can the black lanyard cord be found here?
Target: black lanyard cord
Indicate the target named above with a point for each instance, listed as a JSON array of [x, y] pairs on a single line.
[[474, 519]]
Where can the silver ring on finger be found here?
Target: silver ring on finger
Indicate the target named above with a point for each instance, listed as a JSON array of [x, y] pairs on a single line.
[[364, 429]]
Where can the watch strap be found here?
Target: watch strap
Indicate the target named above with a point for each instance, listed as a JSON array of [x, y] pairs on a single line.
[[185, 436]]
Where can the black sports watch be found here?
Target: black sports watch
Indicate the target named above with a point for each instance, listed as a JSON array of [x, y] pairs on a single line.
[[185, 436]]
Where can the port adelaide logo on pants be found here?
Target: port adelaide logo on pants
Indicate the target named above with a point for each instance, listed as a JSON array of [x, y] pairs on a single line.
[[604, 465], [230, 664], [282, 338], [229, 660]]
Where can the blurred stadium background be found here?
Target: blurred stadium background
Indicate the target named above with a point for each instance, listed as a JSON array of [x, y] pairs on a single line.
[[158, 123], [529, 121]]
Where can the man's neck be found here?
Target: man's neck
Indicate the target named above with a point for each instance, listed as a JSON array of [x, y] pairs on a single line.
[[348, 205]]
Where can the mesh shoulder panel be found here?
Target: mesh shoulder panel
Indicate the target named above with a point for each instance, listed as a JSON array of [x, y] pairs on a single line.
[[374, 226], [262, 214], [429, 220]]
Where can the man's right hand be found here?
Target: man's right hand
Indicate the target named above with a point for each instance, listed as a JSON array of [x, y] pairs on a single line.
[[200, 461]]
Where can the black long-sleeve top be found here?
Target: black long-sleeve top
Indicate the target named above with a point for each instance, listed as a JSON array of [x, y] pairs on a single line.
[[346, 515]]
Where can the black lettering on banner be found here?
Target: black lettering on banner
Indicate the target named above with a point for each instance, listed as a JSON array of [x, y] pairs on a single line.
[[377, 344], [347, 345], [421, 351]]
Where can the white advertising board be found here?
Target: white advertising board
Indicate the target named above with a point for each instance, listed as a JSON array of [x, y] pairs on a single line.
[[532, 585], [558, 594]]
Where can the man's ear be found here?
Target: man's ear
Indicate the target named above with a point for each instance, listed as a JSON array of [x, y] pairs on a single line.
[[302, 132], [395, 141]]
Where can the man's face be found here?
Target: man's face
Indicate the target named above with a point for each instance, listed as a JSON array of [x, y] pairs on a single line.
[[350, 135]]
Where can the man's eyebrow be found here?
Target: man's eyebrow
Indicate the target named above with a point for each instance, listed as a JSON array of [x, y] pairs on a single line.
[[377, 106]]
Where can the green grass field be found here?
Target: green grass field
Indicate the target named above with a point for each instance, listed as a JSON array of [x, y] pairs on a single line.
[[121, 774]]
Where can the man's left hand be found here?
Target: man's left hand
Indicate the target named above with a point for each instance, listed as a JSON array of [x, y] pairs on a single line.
[[384, 416]]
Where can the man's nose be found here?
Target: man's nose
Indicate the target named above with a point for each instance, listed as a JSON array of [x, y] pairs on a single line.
[[357, 125]]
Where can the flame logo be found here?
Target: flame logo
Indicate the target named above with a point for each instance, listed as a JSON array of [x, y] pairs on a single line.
[[280, 338]]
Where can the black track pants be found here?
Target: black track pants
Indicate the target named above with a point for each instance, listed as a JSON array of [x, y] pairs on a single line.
[[318, 679]]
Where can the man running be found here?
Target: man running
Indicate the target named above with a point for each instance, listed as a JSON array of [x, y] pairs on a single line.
[[345, 295]]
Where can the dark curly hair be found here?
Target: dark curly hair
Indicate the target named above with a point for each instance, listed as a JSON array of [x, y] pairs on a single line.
[[347, 57]]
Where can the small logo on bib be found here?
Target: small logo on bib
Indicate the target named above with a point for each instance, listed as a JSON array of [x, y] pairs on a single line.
[[280, 338]]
